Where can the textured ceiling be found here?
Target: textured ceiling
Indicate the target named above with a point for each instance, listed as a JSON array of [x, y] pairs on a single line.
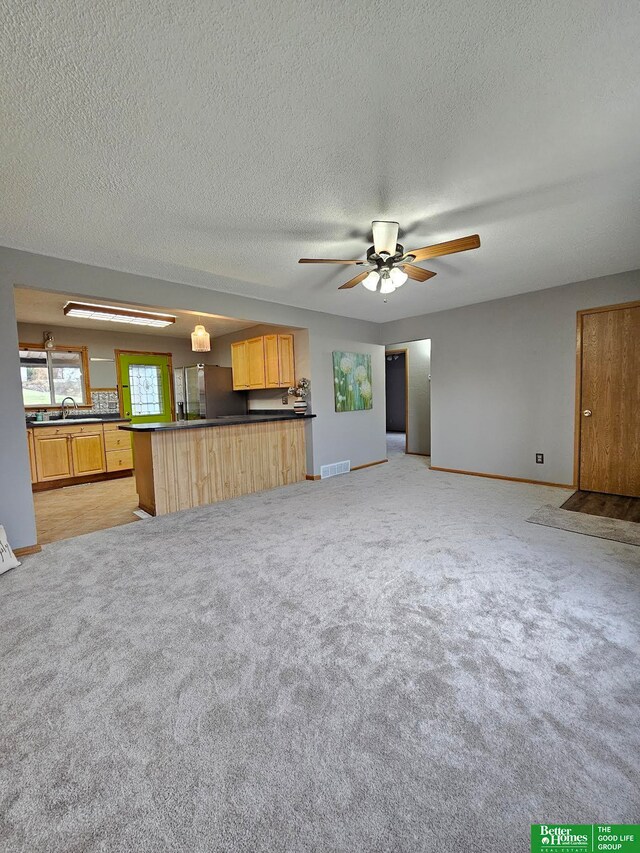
[[214, 144], [45, 308]]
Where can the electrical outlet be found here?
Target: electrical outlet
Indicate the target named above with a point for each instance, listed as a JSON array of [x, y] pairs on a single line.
[[285, 399], [540, 458]]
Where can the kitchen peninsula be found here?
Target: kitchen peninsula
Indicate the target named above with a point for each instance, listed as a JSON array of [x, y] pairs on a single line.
[[184, 464]]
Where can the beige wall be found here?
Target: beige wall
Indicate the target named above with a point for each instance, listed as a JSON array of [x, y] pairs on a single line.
[[360, 436], [503, 377], [102, 374]]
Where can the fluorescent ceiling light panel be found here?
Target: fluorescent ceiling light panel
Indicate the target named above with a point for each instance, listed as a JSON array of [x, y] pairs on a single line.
[[112, 314]]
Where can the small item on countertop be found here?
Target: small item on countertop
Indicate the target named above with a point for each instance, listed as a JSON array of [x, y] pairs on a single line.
[[300, 392], [39, 416]]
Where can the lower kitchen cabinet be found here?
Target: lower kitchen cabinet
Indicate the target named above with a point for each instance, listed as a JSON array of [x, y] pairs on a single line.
[[119, 460], [53, 460], [71, 451], [87, 454], [32, 456]]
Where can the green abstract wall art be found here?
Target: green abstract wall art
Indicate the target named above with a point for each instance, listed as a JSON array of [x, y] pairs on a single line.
[[352, 381]]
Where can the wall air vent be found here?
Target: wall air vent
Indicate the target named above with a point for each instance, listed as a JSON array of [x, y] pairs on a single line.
[[334, 469]]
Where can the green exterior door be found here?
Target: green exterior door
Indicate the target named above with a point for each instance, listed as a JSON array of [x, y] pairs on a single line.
[[145, 381]]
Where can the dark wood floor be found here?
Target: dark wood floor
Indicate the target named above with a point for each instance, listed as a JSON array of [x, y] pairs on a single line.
[[610, 506]]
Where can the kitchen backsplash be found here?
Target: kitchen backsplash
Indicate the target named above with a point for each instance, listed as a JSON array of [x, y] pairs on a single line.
[[270, 398], [104, 402]]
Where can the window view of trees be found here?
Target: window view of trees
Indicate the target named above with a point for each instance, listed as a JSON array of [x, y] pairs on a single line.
[[50, 376]]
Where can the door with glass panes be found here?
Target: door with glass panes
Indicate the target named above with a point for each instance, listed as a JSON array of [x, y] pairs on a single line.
[[145, 386]]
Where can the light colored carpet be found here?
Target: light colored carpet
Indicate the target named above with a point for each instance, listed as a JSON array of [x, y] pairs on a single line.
[[390, 660], [588, 525], [396, 443]]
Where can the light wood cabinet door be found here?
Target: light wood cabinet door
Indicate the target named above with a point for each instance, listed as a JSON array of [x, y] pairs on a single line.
[[271, 362], [240, 365], [285, 361], [87, 454], [32, 457], [255, 356], [264, 362], [53, 459]]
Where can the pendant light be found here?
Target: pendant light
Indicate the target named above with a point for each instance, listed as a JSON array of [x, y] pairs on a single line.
[[200, 339]]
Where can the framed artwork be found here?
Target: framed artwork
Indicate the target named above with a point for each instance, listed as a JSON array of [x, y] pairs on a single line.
[[352, 381]]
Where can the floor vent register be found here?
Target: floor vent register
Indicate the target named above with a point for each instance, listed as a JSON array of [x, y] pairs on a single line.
[[334, 469]]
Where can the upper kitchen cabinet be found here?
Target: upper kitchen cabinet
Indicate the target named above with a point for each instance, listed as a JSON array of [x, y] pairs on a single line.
[[247, 364], [285, 361], [263, 362], [240, 365], [255, 360]]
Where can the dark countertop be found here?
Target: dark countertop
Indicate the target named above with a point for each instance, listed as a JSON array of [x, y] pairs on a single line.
[[231, 420], [58, 422]]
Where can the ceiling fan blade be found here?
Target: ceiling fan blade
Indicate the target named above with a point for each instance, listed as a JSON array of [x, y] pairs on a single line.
[[462, 244], [417, 273], [385, 236], [353, 281], [327, 261]]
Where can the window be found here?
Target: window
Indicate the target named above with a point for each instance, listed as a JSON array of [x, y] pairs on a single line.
[[145, 387], [48, 376]]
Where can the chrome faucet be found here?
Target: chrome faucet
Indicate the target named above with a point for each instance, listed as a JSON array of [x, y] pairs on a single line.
[[64, 411]]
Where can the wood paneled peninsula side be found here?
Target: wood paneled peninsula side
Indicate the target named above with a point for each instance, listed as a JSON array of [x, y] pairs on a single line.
[[185, 464]]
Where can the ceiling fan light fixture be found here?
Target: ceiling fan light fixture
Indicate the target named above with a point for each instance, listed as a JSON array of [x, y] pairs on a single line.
[[398, 276], [385, 236], [386, 283], [371, 281]]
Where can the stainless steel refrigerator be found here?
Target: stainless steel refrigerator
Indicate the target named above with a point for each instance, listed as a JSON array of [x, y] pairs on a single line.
[[207, 392]]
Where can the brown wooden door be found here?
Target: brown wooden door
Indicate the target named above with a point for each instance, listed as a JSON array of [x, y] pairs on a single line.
[[610, 401]]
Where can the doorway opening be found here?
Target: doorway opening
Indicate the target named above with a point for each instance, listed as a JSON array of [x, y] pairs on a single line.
[[396, 391], [85, 375], [408, 397], [145, 389]]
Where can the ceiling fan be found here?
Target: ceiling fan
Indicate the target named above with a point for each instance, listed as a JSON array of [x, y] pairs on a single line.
[[388, 265]]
